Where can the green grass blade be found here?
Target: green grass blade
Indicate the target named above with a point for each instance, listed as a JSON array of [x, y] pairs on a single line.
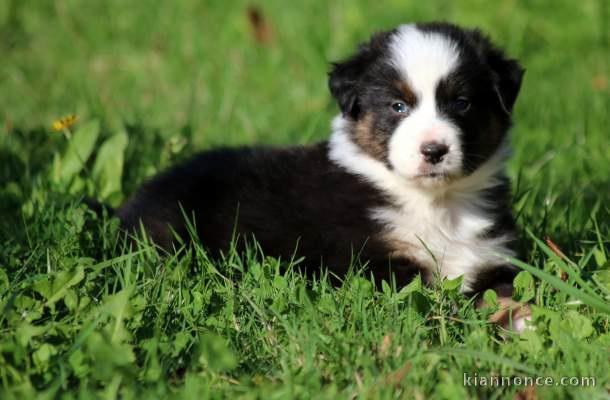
[[596, 302]]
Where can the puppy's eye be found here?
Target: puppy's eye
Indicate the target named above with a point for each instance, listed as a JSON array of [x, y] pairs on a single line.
[[461, 104], [399, 107]]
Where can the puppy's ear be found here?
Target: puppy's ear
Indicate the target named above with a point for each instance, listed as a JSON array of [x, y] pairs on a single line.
[[343, 82], [508, 76], [344, 79], [507, 73]]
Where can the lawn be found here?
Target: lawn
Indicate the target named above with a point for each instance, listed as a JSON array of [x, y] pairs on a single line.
[[84, 316]]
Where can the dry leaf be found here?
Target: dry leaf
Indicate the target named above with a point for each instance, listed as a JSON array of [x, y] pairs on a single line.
[[384, 348], [528, 393], [599, 82], [261, 30], [557, 251], [396, 377]]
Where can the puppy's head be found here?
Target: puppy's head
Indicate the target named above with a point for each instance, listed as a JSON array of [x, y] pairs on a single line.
[[432, 102]]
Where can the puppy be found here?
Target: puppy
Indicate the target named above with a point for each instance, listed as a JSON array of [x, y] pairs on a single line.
[[410, 182]]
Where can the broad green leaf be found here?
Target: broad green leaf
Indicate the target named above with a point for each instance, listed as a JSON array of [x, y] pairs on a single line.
[[524, 287], [62, 282], [4, 281], [107, 356], [79, 150], [108, 167], [26, 332], [414, 286], [578, 325], [43, 286], [151, 370], [78, 363], [362, 286], [71, 300], [603, 340], [448, 388], [118, 306], [452, 284], [603, 278], [600, 257], [568, 328], [215, 354], [279, 282], [385, 288], [43, 354], [181, 340], [531, 341], [490, 298]]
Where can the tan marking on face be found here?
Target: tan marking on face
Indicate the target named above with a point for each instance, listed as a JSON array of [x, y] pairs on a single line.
[[407, 94], [364, 135]]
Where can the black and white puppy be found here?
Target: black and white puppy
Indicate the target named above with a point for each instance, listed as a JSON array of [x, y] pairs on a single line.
[[411, 181]]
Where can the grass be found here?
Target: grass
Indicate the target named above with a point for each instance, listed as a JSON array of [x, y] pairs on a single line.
[[82, 316]]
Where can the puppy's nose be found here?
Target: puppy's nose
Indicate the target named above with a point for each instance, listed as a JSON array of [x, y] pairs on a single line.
[[433, 152]]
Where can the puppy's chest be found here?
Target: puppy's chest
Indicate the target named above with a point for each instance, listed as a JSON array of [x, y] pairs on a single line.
[[448, 239]]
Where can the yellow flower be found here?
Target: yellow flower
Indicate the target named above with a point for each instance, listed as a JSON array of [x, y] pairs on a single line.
[[63, 123]]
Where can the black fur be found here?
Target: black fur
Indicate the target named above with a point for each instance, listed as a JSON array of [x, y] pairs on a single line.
[[351, 79], [366, 85], [297, 201], [282, 196]]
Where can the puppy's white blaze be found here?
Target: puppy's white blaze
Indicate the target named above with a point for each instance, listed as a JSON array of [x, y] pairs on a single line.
[[450, 220], [422, 125], [423, 59]]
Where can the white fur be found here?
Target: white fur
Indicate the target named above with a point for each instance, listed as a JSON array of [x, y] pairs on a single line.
[[521, 324], [439, 227], [423, 59], [436, 222]]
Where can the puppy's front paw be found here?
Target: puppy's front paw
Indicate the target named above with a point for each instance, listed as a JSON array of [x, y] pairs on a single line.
[[512, 315]]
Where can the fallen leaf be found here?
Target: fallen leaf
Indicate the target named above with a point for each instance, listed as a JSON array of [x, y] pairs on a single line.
[[386, 342], [529, 393], [261, 29], [558, 252], [396, 377], [599, 82]]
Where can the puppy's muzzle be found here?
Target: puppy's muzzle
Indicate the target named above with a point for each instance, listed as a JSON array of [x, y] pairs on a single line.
[[433, 152]]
